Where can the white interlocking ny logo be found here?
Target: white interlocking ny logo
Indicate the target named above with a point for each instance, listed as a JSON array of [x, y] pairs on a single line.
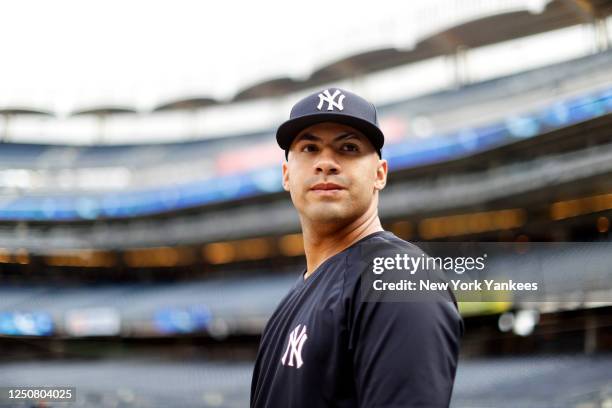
[[294, 347], [331, 100]]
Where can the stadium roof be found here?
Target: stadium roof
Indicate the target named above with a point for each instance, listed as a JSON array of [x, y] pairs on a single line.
[[101, 57]]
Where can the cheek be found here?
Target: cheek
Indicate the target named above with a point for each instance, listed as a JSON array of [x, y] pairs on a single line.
[[364, 189], [296, 186], [366, 178]]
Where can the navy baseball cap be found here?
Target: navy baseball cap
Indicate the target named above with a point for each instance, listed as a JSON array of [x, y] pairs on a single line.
[[331, 105]]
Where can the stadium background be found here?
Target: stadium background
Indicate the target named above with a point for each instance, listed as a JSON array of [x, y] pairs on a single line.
[[142, 249]]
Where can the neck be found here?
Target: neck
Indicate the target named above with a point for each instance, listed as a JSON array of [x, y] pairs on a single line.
[[324, 241]]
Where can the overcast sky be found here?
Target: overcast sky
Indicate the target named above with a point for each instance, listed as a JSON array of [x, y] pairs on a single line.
[[74, 52], [63, 55]]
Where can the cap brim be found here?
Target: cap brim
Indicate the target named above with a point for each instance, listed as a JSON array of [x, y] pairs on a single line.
[[290, 129]]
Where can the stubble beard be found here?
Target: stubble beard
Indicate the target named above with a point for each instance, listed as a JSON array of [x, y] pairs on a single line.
[[329, 213], [335, 215]]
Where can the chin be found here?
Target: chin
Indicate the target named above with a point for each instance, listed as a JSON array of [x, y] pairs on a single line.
[[330, 213]]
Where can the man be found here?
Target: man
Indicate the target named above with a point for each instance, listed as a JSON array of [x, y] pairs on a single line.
[[326, 345]]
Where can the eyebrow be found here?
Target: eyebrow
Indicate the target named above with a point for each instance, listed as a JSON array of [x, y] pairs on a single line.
[[314, 138]]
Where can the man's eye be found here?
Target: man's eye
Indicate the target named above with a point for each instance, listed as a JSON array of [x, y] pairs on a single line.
[[309, 148], [349, 147]]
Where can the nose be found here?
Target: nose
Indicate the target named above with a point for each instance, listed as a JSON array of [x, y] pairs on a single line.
[[326, 162]]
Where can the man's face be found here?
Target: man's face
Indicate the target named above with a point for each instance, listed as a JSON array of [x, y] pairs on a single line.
[[333, 173]]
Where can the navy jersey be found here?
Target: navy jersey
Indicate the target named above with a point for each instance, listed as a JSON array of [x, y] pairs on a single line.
[[326, 347]]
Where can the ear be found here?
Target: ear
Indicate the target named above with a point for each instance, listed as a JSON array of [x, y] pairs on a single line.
[[286, 176], [381, 175]]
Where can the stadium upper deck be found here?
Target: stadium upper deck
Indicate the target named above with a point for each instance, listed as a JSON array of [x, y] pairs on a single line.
[[55, 182]]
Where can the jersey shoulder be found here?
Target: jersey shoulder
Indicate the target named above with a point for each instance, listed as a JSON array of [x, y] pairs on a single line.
[[371, 253], [385, 244]]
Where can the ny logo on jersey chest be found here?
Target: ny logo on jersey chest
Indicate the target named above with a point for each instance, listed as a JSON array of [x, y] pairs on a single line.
[[297, 337]]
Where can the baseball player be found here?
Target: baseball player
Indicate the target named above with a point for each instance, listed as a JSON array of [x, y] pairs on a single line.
[[325, 346]]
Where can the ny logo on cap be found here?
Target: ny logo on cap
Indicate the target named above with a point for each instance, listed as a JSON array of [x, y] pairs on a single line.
[[294, 347], [331, 100]]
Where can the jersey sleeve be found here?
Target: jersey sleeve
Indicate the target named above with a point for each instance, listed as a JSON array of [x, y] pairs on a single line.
[[404, 353]]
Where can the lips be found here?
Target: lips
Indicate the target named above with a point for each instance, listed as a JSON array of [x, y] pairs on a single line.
[[327, 187]]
